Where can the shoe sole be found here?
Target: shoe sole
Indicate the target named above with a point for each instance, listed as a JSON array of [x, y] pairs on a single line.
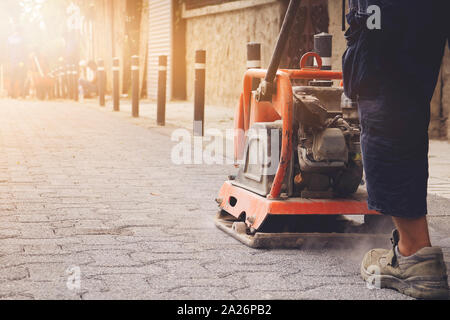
[[416, 287]]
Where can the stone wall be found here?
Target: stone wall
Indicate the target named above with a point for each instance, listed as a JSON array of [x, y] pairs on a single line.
[[445, 73], [440, 105], [224, 36], [335, 29]]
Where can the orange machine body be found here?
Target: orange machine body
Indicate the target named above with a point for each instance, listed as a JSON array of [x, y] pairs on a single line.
[[236, 200]]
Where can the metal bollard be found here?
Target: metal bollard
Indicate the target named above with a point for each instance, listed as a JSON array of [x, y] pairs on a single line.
[[62, 78], [51, 89], [75, 82], [199, 98], [56, 83], [101, 82], [162, 83], [69, 81], [56, 88], [254, 60], [65, 83], [323, 46], [62, 84], [135, 86], [116, 84]]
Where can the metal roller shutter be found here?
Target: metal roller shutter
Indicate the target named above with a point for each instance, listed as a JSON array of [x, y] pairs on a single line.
[[160, 43]]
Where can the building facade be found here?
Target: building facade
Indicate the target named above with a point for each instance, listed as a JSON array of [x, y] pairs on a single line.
[[223, 28]]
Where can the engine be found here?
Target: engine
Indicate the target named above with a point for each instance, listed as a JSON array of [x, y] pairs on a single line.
[[328, 143], [326, 159]]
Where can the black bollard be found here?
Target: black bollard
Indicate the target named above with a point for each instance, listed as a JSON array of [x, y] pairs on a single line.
[[323, 45], [254, 60], [75, 82], [51, 89], [58, 73], [57, 81], [70, 80], [199, 98], [63, 78], [135, 86], [66, 83], [62, 83], [69, 77], [162, 83], [101, 82], [116, 84]]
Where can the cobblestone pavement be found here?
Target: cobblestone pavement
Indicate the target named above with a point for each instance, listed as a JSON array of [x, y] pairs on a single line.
[[439, 183], [87, 192]]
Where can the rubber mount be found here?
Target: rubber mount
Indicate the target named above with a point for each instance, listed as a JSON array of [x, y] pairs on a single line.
[[240, 227]]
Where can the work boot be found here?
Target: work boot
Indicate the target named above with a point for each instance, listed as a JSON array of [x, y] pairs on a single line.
[[421, 276]]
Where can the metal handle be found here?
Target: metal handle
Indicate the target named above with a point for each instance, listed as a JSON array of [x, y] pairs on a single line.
[[266, 88]]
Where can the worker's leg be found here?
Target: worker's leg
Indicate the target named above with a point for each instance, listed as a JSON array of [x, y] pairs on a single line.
[[413, 235], [395, 147], [381, 72]]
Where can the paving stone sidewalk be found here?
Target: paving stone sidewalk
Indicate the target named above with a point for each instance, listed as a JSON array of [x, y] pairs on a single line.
[[88, 192]]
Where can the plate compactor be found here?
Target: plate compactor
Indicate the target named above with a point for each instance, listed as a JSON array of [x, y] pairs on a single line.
[[300, 168]]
